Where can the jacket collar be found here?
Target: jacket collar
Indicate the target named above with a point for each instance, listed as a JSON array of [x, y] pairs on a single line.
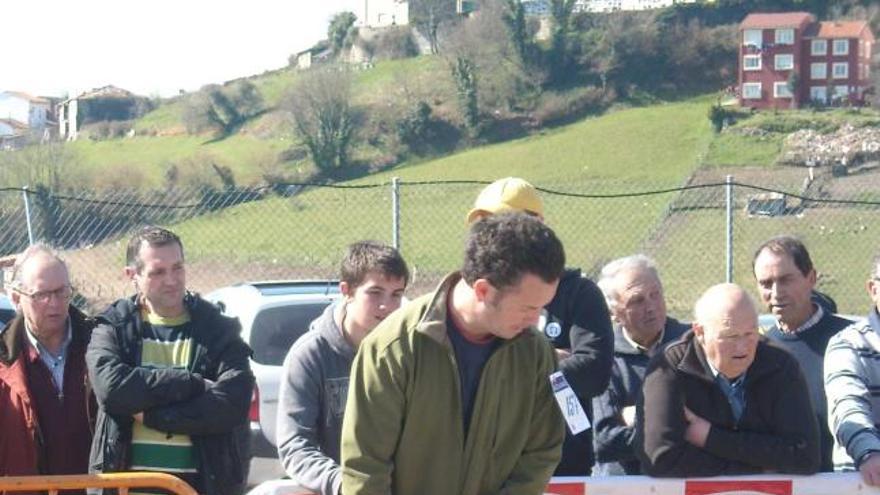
[[433, 323], [694, 362], [12, 338], [622, 344]]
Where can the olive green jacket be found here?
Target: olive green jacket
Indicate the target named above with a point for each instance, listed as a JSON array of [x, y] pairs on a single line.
[[403, 431]]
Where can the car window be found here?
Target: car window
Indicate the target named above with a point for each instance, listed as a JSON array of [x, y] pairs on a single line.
[[276, 329], [6, 315]]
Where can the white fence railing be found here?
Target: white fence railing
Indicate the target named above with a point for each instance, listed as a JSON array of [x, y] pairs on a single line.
[[770, 484]]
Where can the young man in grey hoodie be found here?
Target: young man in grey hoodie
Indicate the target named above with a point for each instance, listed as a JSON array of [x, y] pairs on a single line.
[[314, 385]]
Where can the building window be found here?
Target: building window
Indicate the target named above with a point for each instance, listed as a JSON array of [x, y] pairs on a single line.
[[819, 93], [752, 62], [818, 71], [751, 91], [819, 47], [781, 90], [841, 47], [840, 92], [784, 62], [753, 37], [840, 70], [785, 36]]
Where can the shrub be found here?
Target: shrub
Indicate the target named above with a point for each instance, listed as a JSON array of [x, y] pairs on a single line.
[[560, 106], [393, 43], [413, 128]]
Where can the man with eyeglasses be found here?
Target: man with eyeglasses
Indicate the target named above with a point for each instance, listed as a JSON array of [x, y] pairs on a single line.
[[45, 404]]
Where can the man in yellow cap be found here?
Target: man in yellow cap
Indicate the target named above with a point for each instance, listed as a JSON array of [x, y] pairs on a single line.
[[576, 322]]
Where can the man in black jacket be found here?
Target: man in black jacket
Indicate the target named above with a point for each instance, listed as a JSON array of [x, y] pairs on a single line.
[[575, 321], [171, 376], [723, 401]]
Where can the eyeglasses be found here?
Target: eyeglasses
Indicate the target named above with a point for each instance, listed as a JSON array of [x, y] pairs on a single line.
[[43, 296]]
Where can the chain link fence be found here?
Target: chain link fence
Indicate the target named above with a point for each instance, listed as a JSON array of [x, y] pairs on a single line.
[[700, 232]]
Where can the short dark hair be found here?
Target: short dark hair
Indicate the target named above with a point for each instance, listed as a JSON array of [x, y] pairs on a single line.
[[502, 248], [154, 237], [364, 257], [790, 246]]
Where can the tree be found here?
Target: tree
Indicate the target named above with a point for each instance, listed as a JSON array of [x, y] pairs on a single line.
[[322, 114], [464, 73], [514, 18], [245, 99], [429, 16], [505, 82], [220, 109], [559, 57], [793, 84], [340, 30]]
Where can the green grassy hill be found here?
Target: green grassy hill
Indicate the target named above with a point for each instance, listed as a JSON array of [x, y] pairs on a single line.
[[622, 152], [636, 149]]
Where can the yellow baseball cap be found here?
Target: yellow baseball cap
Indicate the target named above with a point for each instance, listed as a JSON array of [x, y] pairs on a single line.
[[505, 195]]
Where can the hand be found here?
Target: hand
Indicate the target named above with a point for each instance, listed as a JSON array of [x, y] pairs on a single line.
[[870, 469], [629, 415], [562, 354], [139, 417], [697, 430]]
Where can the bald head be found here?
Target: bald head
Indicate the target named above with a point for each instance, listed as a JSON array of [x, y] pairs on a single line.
[[726, 325], [720, 301]]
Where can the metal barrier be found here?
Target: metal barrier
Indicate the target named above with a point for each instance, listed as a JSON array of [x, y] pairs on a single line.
[[770, 484], [119, 481]]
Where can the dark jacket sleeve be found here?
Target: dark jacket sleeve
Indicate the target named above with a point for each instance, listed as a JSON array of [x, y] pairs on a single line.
[[223, 405], [588, 369], [793, 448], [612, 438], [123, 389], [660, 443]]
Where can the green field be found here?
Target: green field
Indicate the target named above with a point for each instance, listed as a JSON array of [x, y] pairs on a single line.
[[144, 160], [623, 152]]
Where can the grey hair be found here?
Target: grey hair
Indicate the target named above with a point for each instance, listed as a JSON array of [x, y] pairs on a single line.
[[610, 272], [32, 251]]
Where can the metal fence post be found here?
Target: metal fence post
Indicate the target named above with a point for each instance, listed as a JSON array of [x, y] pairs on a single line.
[[27, 215], [395, 212], [729, 261]]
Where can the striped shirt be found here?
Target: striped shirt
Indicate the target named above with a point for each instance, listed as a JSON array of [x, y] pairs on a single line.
[[852, 385], [167, 343]]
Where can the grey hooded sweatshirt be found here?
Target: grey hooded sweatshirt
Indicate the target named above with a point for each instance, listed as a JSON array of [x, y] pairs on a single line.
[[314, 387]]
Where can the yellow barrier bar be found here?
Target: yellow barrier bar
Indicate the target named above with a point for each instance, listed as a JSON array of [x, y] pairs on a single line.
[[83, 481]]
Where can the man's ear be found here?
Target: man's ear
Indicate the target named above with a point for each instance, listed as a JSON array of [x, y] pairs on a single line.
[[15, 297], [812, 277], [129, 272], [345, 289], [482, 290], [698, 331]]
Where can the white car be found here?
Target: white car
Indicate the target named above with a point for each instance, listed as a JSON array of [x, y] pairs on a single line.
[[272, 315]]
